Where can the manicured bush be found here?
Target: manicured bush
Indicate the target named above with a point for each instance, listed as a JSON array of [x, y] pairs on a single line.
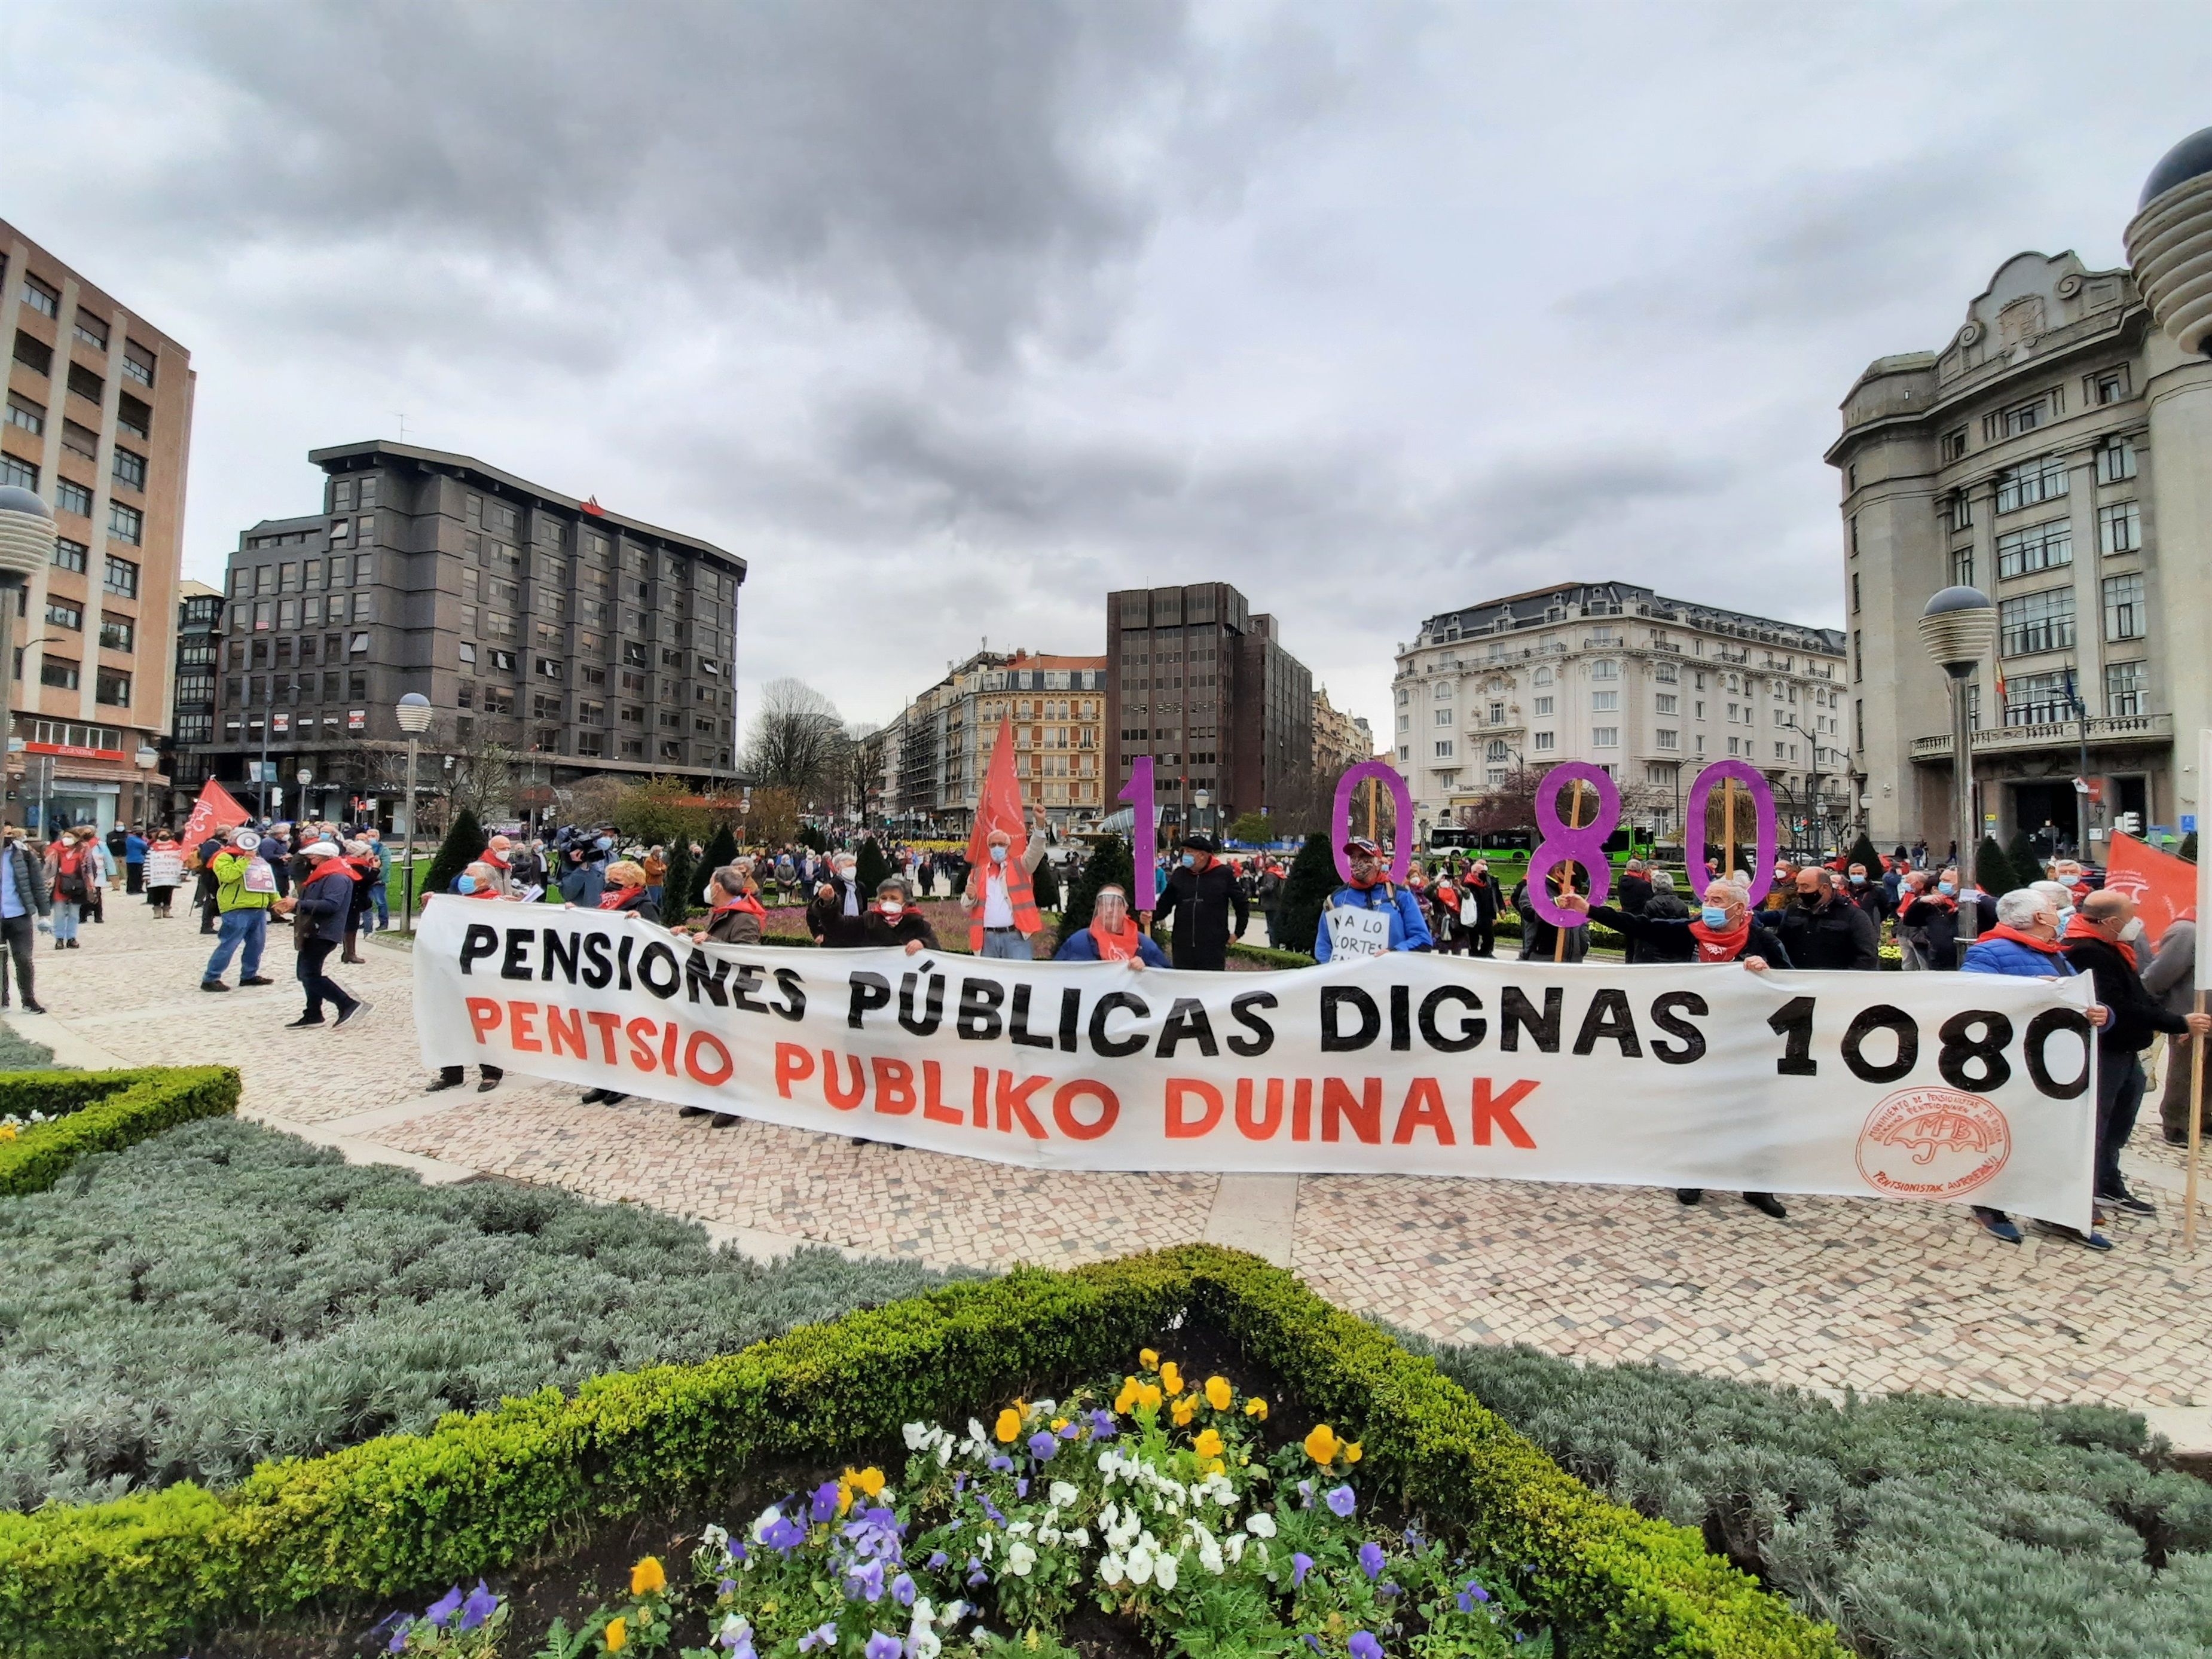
[[291, 1303], [679, 884], [99, 1112], [477, 1493], [464, 845], [2026, 863], [1862, 851], [20, 1054], [721, 851], [1312, 879], [1925, 1527], [871, 867]]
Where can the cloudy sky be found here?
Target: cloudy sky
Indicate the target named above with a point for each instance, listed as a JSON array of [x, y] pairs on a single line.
[[951, 317]]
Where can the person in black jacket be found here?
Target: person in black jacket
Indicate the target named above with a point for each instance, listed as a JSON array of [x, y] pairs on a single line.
[[1200, 895], [625, 895], [892, 921], [320, 909], [1635, 887], [836, 915], [1480, 885], [2100, 942], [1821, 928]]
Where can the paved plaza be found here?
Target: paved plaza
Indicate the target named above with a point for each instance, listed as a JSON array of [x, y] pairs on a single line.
[[1847, 1293]]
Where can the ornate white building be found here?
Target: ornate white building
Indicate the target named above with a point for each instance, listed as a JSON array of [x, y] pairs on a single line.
[[1650, 688]]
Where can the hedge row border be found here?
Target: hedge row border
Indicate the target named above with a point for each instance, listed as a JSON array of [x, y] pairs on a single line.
[[479, 1492], [100, 1112]]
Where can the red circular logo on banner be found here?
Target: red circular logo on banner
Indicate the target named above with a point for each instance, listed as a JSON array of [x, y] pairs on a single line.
[[1933, 1143]]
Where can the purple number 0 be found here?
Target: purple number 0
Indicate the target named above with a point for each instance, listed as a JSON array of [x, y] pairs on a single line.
[[1144, 835], [1767, 845], [1584, 846], [1401, 800]]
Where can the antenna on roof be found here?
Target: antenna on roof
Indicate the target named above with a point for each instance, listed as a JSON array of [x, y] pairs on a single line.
[[402, 414]]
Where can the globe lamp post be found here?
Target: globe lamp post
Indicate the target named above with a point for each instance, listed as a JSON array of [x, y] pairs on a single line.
[[1959, 627]]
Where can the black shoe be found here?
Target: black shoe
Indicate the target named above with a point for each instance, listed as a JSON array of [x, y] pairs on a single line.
[[595, 1097], [726, 1121], [439, 1083], [35, 1008], [488, 1085], [61, 945], [258, 979], [2127, 1203], [72, 945], [304, 1020], [1688, 1195], [1766, 1204], [692, 1111], [2177, 1136], [608, 1097], [356, 1014], [2073, 1235], [213, 985]]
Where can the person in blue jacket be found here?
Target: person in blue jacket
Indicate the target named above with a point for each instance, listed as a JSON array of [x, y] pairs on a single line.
[[1112, 936], [2024, 944], [1371, 889]]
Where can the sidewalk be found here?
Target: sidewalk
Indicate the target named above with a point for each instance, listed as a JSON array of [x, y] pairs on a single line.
[[1846, 1293]]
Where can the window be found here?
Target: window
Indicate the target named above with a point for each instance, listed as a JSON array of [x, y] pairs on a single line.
[[1962, 510], [1735, 745], [1544, 705], [33, 353], [47, 301], [1666, 702], [125, 524], [129, 469], [2036, 621], [1444, 717], [117, 634], [1605, 737], [2041, 480], [1667, 736], [468, 654], [80, 440], [1404, 721], [122, 577], [2038, 699], [1855, 593], [22, 474], [2124, 608], [133, 417], [1543, 677], [1855, 535], [2116, 462], [22, 412], [1498, 714], [1858, 654], [2039, 547], [83, 383], [357, 644], [1605, 668], [2107, 385], [72, 498], [2022, 417], [1962, 567], [138, 362], [504, 662], [1443, 748], [1605, 703], [60, 613], [2126, 685], [1443, 692], [1542, 742], [2120, 528], [58, 673], [1495, 750], [111, 688]]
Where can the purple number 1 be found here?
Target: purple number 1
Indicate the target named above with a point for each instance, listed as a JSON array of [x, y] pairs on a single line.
[[1144, 833]]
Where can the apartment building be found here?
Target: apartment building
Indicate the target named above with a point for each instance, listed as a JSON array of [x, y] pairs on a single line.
[[98, 424], [1648, 688], [191, 709], [580, 639], [1339, 739], [2044, 456], [1205, 687], [936, 751]]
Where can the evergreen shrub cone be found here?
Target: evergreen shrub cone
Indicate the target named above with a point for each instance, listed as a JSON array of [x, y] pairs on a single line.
[[1312, 879], [721, 851], [874, 868], [676, 898], [1993, 871], [463, 845]]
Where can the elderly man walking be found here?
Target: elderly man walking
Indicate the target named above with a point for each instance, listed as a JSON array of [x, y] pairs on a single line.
[[1002, 911]]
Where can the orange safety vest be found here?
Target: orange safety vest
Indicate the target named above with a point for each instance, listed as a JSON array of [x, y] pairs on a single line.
[[1019, 893]]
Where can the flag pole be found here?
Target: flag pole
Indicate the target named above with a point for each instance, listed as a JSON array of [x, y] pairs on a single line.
[[2196, 1046], [1565, 876]]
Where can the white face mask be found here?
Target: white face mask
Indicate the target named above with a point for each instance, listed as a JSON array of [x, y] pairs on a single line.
[[2133, 931]]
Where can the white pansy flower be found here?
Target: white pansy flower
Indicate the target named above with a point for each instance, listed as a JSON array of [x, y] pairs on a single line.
[[1080, 1538], [1260, 1524], [715, 1537], [1235, 1545], [1209, 1557], [1062, 1494], [735, 1629], [1140, 1566], [1049, 1534], [1111, 1568], [917, 1435], [975, 1429], [768, 1518], [1020, 1558], [1163, 1572]]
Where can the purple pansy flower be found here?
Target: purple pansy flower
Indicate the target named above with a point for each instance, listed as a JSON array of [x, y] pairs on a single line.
[[936, 1560], [1313, 1641], [881, 1646], [1305, 1494], [1301, 1564], [902, 1590], [445, 1608], [1101, 1426], [1363, 1646], [1022, 1487], [480, 1606], [822, 1635], [1473, 1593], [784, 1534], [1069, 1431], [825, 1507], [1371, 1560], [1043, 1444], [1002, 1463], [1340, 1501]]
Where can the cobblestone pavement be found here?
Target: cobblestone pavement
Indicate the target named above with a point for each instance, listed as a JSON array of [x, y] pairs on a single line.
[[1845, 1293]]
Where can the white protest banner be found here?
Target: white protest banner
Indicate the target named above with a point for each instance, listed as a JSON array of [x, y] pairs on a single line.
[[1972, 1088], [1357, 932]]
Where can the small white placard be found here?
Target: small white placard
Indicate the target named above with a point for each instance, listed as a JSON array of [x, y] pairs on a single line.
[[1358, 932]]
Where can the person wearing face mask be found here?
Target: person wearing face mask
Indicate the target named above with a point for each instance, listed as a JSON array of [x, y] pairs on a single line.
[[1200, 895], [1002, 905], [1821, 928], [2024, 944], [1479, 898], [1371, 889], [2100, 941], [836, 915], [1932, 915], [734, 913], [1869, 896], [892, 922], [1112, 936], [320, 906]]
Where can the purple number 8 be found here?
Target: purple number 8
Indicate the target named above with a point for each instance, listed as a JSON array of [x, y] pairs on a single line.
[[1560, 844], [1765, 847]]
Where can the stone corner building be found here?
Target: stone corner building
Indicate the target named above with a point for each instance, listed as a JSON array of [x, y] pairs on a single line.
[[583, 641], [2056, 454]]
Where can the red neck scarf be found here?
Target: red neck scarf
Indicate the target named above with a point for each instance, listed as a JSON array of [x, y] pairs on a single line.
[[1372, 882], [745, 901], [622, 898], [1716, 947], [1115, 947], [2081, 928], [2006, 930]]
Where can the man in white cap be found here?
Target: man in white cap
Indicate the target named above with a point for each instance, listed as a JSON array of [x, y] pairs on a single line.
[[321, 906], [245, 888]]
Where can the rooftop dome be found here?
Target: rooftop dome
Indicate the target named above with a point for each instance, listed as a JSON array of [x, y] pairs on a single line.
[[2190, 158]]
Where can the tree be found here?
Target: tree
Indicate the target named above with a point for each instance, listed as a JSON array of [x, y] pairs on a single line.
[[1863, 853], [859, 767], [721, 851], [1506, 806], [659, 812], [463, 845], [2188, 847], [1255, 827], [1993, 871], [773, 820], [2021, 852], [874, 868], [809, 837], [1305, 891], [676, 895], [1044, 886], [797, 737], [594, 801], [1109, 865]]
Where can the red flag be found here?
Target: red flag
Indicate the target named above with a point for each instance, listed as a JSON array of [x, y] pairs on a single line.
[[214, 811], [2163, 886], [592, 506], [999, 807]]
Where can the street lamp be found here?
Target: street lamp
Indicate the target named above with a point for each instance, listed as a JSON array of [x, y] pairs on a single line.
[[26, 546], [305, 777], [1820, 823], [414, 712], [1959, 627]]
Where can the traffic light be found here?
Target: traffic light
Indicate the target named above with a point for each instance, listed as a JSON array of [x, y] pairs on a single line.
[[2129, 824]]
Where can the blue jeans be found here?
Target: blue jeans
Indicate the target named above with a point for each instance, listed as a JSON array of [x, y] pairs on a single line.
[[1008, 943], [382, 900], [2119, 1098], [247, 928], [65, 915]]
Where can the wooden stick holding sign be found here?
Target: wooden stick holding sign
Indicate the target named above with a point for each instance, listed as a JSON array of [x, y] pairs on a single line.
[[1564, 875], [1728, 830]]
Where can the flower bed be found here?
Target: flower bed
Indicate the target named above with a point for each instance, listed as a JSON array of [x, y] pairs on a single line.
[[81, 1112], [477, 1494]]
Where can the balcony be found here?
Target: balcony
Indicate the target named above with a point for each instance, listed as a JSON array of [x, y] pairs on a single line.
[[2151, 729]]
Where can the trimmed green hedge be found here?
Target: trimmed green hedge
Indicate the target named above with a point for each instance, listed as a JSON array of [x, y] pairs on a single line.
[[478, 1492], [100, 1112]]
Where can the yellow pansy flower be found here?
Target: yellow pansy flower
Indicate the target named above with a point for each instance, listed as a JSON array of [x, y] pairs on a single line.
[[871, 1481], [1149, 1358], [647, 1578], [1257, 1407], [7, 1132], [1217, 1392], [1148, 1397], [1215, 1466], [1185, 1409], [1321, 1444], [1170, 1378], [1351, 1451], [1009, 1425], [1125, 1401], [1208, 1443], [618, 1634]]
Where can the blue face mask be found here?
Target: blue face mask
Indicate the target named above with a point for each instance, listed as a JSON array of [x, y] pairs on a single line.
[[605, 843], [1858, 881], [998, 855], [465, 884], [1187, 861], [1947, 887], [1713, 916]]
